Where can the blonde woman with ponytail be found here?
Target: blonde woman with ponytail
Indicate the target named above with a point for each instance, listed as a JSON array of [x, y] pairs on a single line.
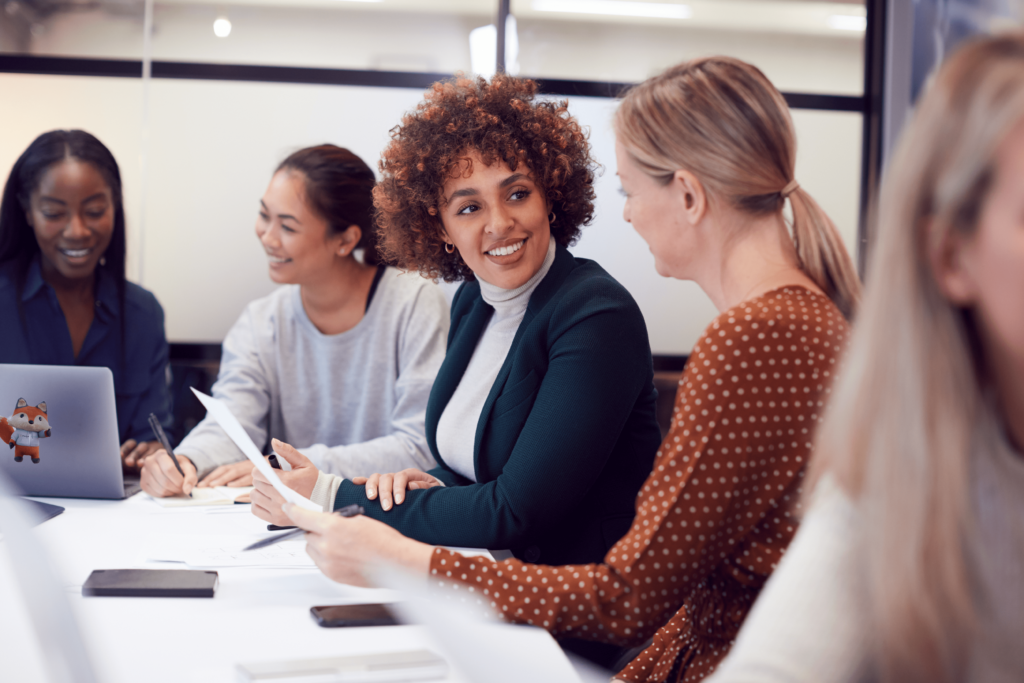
[[706, 156], [910, 564]]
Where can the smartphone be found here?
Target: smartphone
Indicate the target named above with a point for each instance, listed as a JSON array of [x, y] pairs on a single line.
[[333, 616]]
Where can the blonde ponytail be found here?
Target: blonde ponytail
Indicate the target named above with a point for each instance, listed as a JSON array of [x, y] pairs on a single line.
[[723, 120], [822, 254]]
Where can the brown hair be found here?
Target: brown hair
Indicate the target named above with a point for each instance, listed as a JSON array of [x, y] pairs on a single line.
[[899, 430], [500, 120], [339, 189], [723, 120]]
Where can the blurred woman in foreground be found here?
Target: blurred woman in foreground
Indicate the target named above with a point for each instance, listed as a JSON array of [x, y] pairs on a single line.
[[910, 564]]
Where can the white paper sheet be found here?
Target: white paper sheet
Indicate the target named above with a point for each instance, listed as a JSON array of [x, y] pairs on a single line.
[[234, 429], [212, 551]]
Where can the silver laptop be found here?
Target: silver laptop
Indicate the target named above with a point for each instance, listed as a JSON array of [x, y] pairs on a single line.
[[58, 431]]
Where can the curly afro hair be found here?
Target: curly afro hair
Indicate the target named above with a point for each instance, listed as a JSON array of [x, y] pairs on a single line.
[[502, 122]]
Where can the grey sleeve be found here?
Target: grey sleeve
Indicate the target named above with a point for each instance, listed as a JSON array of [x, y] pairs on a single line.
[[809, 625], [243, 384], [421, 350]]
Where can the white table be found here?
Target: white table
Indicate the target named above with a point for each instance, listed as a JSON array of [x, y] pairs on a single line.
[[258, 614]]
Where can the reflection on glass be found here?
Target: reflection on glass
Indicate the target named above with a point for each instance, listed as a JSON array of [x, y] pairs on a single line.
[[802, 46], [68, 29], [387, 35]]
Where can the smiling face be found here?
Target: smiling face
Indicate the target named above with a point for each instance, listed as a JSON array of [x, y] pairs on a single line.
[[654, 211], [498, 220], [72, 213], [297, 241]]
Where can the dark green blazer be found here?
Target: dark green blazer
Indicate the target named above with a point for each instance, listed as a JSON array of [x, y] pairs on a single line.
[[566, 436]]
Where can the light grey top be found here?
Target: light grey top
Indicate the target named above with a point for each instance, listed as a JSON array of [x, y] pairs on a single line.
[[456, 428], [810, 622], [354, 403]]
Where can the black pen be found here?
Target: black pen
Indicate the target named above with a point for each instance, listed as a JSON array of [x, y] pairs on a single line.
[[161, 436], [347, 511]]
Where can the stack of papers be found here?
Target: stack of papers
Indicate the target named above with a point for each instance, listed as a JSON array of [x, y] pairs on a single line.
[[218, 495]]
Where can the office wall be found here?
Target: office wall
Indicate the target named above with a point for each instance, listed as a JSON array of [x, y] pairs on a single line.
[[213, 146]]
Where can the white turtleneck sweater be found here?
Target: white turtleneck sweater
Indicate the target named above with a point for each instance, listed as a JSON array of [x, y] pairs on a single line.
[[456, 430]]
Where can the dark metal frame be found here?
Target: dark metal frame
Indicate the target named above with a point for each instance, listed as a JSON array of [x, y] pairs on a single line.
[[118, 68], [871, 156]]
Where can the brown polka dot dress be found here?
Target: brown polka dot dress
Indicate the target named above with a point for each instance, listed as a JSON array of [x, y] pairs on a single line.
[[716, 513]]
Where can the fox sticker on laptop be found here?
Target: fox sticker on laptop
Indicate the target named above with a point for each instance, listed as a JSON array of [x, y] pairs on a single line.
[[23, 430]]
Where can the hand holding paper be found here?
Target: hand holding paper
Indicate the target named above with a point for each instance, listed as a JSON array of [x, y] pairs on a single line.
[[234, 429]]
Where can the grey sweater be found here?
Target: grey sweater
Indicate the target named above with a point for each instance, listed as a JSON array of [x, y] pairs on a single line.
[[354, 403]]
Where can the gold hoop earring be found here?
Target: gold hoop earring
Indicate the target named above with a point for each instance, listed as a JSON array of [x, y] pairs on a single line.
[[449, 248], [551, 217]]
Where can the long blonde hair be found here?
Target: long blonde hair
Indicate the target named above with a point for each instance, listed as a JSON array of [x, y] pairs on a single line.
[[898, 431], [723, 120]]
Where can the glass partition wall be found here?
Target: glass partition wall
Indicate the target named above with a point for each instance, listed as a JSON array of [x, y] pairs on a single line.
[[235, 86]]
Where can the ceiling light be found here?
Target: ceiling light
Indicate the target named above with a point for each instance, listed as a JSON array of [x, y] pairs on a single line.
[[222, 27], [847, 22], [621, 8]]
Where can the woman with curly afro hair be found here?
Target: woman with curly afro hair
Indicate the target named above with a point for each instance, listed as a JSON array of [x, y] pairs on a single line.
[[542, 416]]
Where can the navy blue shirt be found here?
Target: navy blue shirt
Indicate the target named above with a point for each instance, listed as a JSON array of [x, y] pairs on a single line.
[[139, 364]]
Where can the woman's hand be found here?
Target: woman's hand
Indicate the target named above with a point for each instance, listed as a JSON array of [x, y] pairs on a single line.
[[133, 453], [266, 501], [341, 546], [393, 486], [236, 474], [160, 478]]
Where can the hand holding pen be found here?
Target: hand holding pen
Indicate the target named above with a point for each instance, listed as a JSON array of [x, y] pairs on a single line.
[[347, 511], [165, 476]]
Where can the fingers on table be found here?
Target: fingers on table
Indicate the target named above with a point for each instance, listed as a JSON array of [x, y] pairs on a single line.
[[127, 452], [235, 474]]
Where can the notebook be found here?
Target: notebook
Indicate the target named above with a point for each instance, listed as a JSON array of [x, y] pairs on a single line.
[[218, 495]]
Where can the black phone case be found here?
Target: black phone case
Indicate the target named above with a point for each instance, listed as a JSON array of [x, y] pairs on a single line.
[[151, 583], [383, 620]]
